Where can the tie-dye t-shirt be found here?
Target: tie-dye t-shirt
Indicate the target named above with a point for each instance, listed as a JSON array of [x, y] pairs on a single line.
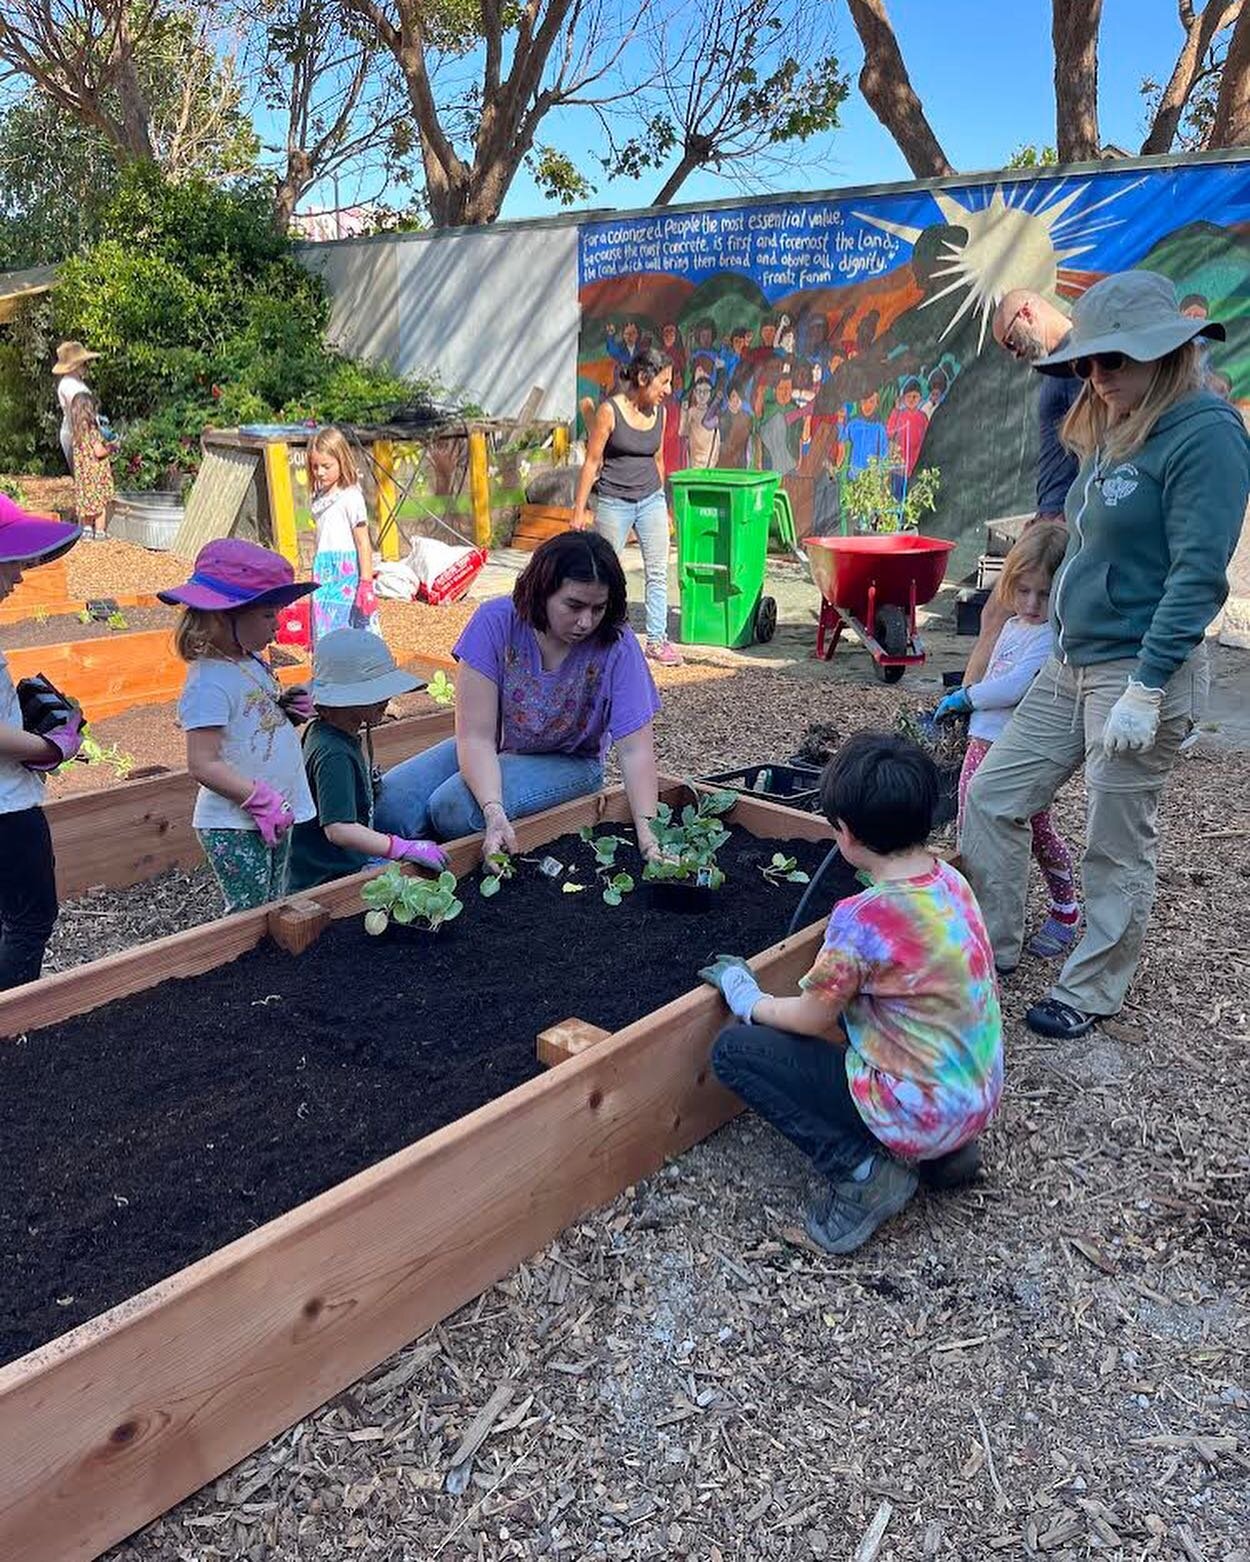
[[909, 964]]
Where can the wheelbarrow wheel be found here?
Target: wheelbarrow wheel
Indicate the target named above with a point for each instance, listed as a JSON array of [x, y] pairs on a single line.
[[766, 619], [891, 630]]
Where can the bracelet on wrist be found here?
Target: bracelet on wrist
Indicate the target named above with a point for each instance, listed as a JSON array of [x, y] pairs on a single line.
[[493, 803]]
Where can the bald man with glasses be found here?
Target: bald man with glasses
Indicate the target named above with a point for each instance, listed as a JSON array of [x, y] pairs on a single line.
[[1028, 326]]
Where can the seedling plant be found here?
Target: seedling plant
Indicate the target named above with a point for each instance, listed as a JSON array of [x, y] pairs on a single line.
[[498, 867], [689, 841], [395, 896], [441, 689], [784, 870], [615, 885]]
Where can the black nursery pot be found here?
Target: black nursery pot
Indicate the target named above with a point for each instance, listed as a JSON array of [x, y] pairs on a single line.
[[680, 895]]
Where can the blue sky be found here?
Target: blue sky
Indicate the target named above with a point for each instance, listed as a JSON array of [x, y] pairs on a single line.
[[983, 69]]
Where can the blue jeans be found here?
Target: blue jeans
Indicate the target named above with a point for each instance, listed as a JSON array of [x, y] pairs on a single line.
[[799, 1085], [614, 518], [425, 796]]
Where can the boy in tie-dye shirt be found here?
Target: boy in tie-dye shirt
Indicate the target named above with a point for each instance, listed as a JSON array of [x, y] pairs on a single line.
[[888, 1063]]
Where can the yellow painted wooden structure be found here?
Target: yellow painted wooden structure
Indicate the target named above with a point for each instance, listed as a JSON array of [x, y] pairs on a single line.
[[479, 487]]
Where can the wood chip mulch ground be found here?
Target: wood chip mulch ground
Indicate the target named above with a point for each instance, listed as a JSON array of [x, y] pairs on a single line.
[[1055, 1363]]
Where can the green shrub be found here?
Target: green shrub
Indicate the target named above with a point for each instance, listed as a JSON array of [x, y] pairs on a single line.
[[204, 318]]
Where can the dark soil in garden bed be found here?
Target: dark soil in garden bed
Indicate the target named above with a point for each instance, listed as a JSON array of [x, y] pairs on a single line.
[[59, 630], [157, 1128]]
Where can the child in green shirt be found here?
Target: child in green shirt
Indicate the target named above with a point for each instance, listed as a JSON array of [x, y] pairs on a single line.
[[354, 675]]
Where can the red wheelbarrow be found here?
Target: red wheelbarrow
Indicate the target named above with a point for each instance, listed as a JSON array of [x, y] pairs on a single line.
[[873, 585]]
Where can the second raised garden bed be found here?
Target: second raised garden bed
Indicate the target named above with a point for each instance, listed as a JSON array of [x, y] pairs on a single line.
[[281, 1076]]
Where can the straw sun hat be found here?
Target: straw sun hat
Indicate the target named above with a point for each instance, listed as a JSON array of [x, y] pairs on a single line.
[[1133, 312], [71, 356]]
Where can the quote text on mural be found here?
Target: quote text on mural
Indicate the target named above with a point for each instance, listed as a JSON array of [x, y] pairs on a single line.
[[787, 247]]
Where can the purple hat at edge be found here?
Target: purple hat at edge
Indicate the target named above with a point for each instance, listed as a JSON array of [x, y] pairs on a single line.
[[232, 573], [32, 539]]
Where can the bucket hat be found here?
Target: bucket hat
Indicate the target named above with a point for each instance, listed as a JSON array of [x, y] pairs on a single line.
[[232, 573], [354, 667], [32, 539], [1132, 312], [71, 356]]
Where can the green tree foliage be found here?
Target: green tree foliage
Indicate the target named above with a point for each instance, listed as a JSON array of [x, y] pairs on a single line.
[[738, 86], [203, 316]]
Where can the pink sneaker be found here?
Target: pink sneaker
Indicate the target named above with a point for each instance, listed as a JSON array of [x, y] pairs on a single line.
[[664, 652]]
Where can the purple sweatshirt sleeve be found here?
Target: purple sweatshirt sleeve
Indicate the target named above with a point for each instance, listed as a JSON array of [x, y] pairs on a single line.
[[635, 700]]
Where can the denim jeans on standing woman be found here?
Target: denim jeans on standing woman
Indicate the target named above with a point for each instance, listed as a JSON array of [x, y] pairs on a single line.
[[799, 1085], [427, 796], [614, 518], [27, 895]]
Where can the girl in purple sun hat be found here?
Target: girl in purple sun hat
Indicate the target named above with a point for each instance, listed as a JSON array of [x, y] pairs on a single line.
[[242, 745]]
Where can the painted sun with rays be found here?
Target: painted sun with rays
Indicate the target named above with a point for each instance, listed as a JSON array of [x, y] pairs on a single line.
[[1012, 242]]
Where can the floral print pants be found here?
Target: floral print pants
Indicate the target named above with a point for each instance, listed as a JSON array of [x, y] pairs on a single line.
[[248, 872]]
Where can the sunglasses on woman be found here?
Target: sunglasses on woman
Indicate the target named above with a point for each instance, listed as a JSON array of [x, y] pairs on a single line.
[[1107, 362]]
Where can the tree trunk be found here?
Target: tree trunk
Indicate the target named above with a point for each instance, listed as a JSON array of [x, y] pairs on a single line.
[[294, 181], [691, 159], [1200, 29], [1074, 31], [1232, 110], [889, 93], [136, 117]]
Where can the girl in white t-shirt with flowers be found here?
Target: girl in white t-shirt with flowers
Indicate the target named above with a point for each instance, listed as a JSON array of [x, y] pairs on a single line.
[[242, 746], [343, 562]]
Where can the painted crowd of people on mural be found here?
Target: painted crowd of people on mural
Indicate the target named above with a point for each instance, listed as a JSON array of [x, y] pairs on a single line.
[[808, 395]]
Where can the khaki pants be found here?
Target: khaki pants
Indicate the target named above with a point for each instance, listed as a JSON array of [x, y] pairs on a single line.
[[1057, 726]]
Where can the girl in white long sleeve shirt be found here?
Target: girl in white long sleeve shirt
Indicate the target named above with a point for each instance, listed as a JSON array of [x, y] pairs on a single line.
[[1023, 645]]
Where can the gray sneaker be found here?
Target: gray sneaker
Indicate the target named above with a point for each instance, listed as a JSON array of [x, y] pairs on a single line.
[[851, 1211]]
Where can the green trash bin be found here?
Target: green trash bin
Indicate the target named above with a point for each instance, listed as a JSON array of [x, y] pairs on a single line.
[[723, 518]]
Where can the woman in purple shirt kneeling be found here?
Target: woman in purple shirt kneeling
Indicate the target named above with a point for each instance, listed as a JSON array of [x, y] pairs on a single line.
[[549, 679]]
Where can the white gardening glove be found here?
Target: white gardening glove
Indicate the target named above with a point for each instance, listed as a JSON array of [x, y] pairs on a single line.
[[1134, 720]]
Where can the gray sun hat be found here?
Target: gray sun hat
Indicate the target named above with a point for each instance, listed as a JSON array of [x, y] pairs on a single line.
[[1132, 312], [354, 667]]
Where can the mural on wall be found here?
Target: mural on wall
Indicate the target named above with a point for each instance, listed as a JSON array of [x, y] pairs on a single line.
[[816, 336]]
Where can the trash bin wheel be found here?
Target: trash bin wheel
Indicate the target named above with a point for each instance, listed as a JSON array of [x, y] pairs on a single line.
[[766, 619], [891, 630]]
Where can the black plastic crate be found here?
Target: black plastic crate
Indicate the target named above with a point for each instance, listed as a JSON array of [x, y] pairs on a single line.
[[794, 785]]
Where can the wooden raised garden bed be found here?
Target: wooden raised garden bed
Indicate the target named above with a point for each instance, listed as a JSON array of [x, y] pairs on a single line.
[[106, 1427], [44, 593], [110, 675]]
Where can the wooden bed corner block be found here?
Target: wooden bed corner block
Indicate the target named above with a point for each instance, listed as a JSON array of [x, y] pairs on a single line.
[[568, 1039], [297, 924]]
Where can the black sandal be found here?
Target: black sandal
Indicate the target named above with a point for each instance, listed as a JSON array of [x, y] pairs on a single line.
[[1060, 1021]]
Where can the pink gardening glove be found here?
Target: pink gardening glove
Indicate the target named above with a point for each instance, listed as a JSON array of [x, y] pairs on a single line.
[[66, 740], [298, 704], [271, 812], [427, 854], [366, 599]]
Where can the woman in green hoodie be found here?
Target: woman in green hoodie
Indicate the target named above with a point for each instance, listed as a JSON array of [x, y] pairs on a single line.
[[1153, 518]]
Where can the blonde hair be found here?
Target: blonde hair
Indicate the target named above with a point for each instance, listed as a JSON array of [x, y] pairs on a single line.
[[332, 442], [1041, 548], [1088, 426], [200, 633]]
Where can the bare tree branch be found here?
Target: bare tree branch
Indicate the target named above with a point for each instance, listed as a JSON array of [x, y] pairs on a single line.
[[1201, 29], [889, 93]]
